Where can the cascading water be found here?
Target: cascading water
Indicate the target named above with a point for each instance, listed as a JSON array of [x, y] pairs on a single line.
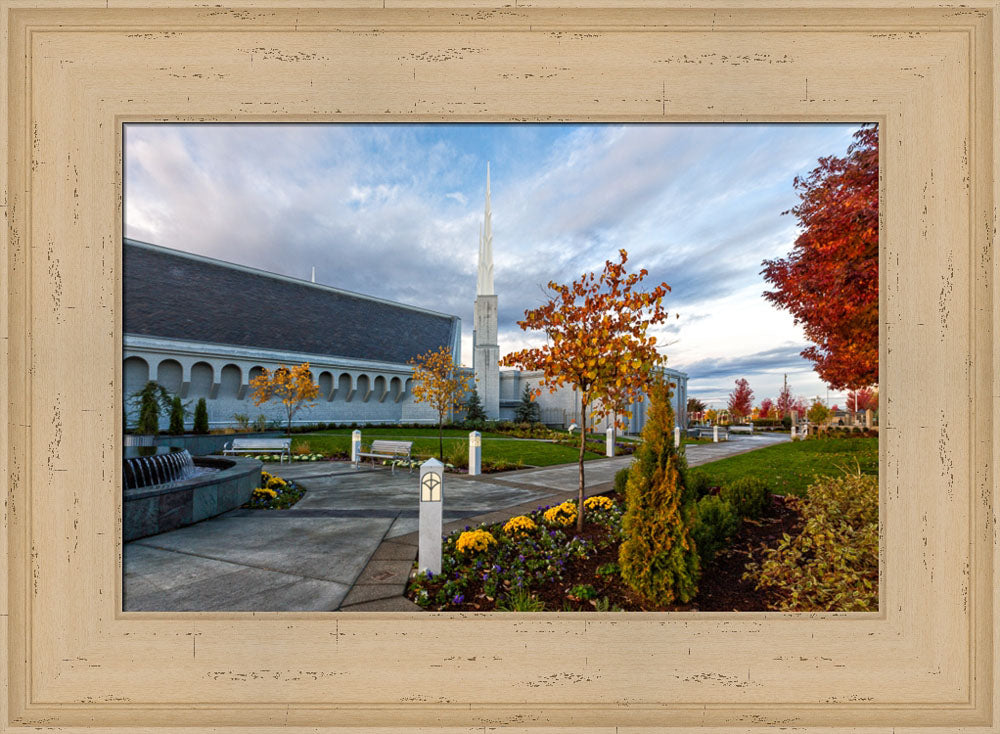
[[149, 466]]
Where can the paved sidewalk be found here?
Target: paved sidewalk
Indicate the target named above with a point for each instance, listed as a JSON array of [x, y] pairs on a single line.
[[350, 543]]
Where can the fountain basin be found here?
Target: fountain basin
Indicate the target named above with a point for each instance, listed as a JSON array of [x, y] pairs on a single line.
[[161, 507]]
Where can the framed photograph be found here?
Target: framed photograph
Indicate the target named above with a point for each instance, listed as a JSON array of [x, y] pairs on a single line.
[[82, 79]]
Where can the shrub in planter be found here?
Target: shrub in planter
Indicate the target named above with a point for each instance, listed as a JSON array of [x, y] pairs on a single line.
[[716, 522], [621, 479], [201, 417], [177, 415], [657, 557], [748, 496], [833, 563]]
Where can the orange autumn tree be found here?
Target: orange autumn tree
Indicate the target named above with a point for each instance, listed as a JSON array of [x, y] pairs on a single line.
[[829, 281], [292, 386], [597, 343], [437, 382]]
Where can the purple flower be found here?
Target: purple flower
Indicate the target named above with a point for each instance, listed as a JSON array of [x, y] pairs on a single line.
[[459, 598]]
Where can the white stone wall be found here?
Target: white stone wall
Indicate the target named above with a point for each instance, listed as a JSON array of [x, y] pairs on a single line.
[[351, 391], [563, 406]]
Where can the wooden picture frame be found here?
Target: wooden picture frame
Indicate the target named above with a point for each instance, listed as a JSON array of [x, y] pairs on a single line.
[[75, 70]]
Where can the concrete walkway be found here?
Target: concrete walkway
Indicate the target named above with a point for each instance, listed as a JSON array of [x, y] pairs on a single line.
[[350, 543]]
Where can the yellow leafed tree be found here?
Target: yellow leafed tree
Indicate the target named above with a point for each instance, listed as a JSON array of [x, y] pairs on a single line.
[[438, 383], [597, 343], [292, 386]]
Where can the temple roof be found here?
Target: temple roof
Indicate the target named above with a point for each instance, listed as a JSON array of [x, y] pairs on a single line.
[[175, 295]]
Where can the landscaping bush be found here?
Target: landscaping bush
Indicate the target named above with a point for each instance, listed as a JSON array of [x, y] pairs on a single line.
[[749, 496], [832, 565], [177, 414], [621, 479], [698, 483], [457, 454], [716, 522], [201, 417], [656, 557]]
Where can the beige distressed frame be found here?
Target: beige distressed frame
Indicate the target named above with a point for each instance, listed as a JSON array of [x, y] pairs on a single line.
[[74, 70]]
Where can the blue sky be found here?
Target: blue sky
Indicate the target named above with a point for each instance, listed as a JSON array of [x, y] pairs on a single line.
[[394, 211]]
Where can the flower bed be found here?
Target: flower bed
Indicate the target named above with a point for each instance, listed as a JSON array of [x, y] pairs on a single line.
[[274, 493]]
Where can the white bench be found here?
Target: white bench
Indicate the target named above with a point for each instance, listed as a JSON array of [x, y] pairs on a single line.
[[282, 446], [393, 450], [741, 429]]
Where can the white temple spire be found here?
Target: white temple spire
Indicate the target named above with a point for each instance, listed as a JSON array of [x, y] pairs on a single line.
[[484, 284]]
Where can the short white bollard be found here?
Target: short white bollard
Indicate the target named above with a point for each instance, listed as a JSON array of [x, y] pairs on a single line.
[[677, 437], [431, 502], [609, 442], [715, 434], [475, 453], [355, 447], [793, 432]]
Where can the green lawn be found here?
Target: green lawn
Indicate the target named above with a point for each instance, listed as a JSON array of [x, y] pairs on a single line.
[[791, 467], [425, 442]]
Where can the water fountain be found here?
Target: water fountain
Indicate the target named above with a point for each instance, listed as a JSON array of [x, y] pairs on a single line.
[[165, 488]]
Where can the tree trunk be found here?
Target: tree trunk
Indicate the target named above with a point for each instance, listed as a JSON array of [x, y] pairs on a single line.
[[441, 437], [583, 444]]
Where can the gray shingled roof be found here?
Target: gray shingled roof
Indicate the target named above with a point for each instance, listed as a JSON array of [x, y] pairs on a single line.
[[175, 296]]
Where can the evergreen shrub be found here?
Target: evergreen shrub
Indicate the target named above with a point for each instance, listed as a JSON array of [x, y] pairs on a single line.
[[657, 557]]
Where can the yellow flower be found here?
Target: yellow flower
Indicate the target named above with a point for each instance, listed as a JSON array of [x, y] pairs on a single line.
[[599, 502], [474, 540], [276, 483], [520, 525], [564, 514], [262, 492]]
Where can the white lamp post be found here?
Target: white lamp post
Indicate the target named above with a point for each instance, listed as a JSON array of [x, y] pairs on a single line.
[[431, 503], [475, 453], [355, 447], [677, 437], [609, 441]]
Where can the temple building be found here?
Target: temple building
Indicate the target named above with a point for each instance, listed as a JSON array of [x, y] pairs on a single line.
[[203, 328]]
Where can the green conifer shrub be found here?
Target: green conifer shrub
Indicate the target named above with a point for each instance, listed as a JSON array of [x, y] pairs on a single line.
[[657, 556], [177, 414], [201, 416], [749, 496], [475, 415], [152, 398], [527, 411], [716, 522]]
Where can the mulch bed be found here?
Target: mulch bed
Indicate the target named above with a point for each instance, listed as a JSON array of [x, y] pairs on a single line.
[[721, 588]]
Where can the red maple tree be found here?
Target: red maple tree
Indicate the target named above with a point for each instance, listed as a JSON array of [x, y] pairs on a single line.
[[766, 406], [741, 399], [861, 400], [829, 282]]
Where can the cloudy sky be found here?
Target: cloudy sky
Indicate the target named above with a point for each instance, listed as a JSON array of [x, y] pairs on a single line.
[[394, 211]]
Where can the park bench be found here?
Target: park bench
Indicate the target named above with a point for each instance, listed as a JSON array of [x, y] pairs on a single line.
[[708, 432], [393, 450], [741, 429], [282, 446]]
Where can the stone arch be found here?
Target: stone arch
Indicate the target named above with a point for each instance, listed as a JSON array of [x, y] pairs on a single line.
[[170, 375], [380, 388], [135, 374], [325, 383], [396, 389], [230, 380], [364, 387], [345, 387], [201, 380]]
